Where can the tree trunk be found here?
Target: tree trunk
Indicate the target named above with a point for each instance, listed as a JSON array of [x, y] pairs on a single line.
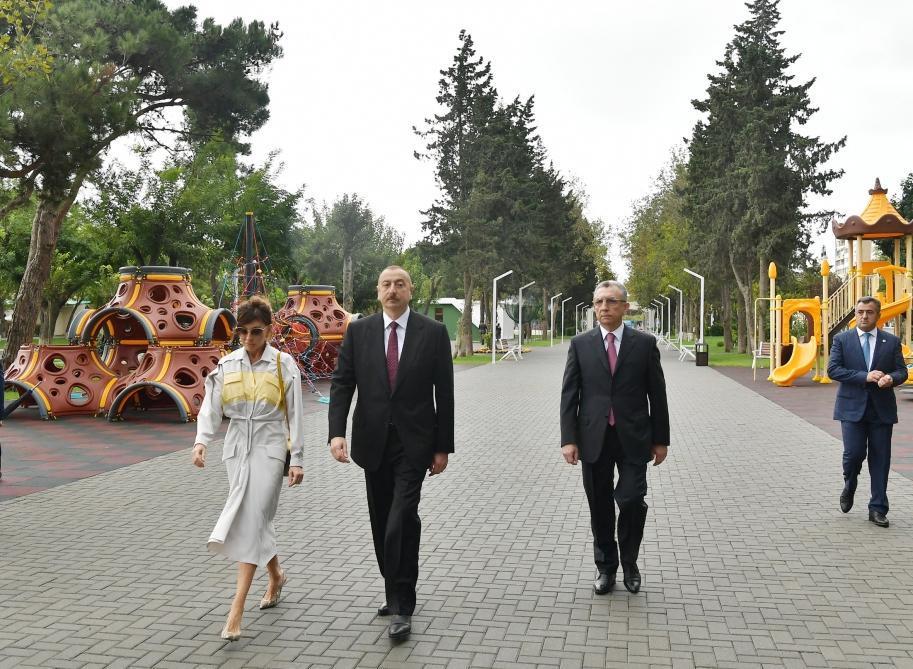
[[740, 333], [744, 284], [763, 285], [347, 272], [435, 282], [2, 315], [464, 333], [45, 231], [49, 313], [726, 308]]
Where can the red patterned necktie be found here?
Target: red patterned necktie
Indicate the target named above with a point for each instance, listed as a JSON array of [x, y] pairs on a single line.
[[392, 355], [613, 359]]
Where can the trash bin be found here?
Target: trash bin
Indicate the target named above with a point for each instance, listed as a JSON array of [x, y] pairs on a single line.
[[701, 355]]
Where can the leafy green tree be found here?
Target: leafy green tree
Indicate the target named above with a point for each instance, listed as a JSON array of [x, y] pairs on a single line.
[[120, 68]]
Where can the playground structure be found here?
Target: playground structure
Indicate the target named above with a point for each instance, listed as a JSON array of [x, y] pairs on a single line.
[[150, 347], [310, 327], [827, 315], [310, 324]]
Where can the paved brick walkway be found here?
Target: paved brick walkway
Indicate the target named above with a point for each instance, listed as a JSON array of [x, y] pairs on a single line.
[[747, 560]]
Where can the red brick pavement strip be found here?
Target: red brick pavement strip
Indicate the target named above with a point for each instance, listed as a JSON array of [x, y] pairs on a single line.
[[814, 403]]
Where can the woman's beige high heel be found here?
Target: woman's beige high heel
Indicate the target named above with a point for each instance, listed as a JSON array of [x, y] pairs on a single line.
[[271, 602]]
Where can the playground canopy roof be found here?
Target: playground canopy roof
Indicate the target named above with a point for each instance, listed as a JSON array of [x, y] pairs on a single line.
[[877, 221]]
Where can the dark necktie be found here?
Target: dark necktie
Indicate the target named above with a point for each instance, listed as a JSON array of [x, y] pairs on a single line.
[[392, 355], [613, 359]]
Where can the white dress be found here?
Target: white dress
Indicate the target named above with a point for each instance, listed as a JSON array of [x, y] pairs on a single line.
[[255, 447]]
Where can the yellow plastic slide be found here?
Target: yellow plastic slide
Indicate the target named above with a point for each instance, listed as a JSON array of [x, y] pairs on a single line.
[[802, 360]]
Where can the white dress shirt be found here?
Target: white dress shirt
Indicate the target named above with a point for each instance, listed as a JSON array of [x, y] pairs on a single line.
[[618, 332], [400, 331], [861, 335]]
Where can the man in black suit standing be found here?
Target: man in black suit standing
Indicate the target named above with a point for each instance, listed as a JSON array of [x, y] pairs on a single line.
[[614, 415], [401, 364], [868, 363]]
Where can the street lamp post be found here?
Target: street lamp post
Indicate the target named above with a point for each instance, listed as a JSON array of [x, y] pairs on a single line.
[[494, 310], [562, 316], [702, 302], [668, 306], [660, 306], [520, 339], [577, 317], [551, 310], [680, 302]]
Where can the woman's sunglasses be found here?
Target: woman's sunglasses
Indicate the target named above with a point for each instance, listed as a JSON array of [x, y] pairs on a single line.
[[253, 332]]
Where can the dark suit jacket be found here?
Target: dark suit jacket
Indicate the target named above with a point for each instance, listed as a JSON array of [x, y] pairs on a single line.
[[421, 404], [847, 365], [636, 392]]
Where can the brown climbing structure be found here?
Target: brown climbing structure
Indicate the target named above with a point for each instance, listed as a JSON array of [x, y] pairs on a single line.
[[150, 347]]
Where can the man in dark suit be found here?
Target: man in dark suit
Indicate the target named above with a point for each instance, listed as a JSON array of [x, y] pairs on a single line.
[[868, 363], [401, 364], [614, 415]]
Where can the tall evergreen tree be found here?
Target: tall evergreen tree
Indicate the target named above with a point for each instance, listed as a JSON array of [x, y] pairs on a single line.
[[751, 169]]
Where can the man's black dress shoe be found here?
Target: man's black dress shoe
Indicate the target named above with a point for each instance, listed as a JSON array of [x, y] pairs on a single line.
[[383, 610], [632, 578], [604, 583], [400, 627], [846, 498], [878, 518]]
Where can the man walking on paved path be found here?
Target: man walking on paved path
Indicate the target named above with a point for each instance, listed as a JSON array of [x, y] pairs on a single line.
[[614, 414], [868, 363], [400, 363]]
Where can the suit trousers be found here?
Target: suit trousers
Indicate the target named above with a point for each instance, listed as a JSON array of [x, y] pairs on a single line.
[[872, 438], [394, 491], [603, 493]]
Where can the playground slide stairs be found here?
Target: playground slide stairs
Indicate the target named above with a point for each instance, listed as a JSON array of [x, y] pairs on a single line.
[[800, 362], [889, 311]]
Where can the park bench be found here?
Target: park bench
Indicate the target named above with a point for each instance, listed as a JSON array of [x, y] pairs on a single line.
[[761, 353], [509, 349]]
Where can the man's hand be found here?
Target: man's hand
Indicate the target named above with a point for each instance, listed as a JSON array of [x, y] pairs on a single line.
[[570, 453], [874, 376], [659, 453], [886, 381], [199, 455], [339, 449], [295, 476], [439, 463]]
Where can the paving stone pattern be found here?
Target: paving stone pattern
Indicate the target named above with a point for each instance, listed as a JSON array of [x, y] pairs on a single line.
[[747, 560]]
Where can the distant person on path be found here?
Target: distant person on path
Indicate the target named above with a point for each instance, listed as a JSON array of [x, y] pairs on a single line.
[[259, 389], [402, 427], [868, 363], [614, 415]]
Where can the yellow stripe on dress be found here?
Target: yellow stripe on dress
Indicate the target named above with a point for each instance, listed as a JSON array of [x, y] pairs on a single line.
[[240, 387]]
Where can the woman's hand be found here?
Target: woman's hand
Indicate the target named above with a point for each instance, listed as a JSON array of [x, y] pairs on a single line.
[[295, 476], [199, 455]]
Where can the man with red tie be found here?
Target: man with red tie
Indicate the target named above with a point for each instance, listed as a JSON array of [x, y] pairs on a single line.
[[614, 415], [401, 364]]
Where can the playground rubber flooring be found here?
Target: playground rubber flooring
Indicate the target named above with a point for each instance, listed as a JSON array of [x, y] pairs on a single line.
[[39, 454], [814, 403]]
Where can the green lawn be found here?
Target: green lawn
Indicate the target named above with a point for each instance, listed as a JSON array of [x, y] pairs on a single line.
[[474, 359], [719, 358]]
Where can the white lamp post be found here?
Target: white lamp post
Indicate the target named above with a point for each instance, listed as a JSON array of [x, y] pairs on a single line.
[[551, 310], [577, 317], [680, 301], [562, 316], [660, 306], [668, 320], [702, 302], [520, 339], [494, 310]]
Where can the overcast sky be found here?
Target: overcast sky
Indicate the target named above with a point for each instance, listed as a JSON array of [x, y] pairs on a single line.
[[613, 83]]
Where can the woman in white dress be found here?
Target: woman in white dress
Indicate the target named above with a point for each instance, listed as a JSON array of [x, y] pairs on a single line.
[[259, 389]]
